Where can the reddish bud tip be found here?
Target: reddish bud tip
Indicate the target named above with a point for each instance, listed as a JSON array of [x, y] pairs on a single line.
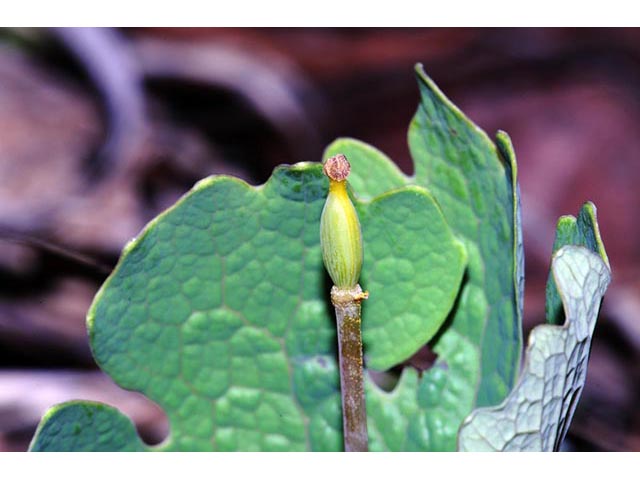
[[337, 168]]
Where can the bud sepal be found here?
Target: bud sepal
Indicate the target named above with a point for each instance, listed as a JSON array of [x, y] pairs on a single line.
[[340, 233]]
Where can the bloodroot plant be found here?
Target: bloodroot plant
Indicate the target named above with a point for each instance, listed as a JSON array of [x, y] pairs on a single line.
[[220, 312]]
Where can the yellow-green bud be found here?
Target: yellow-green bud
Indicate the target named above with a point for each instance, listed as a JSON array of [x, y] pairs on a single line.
[[340, 235]]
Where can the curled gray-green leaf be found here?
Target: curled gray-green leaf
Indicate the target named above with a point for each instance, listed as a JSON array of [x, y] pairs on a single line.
[[581, 230], [537, 413]]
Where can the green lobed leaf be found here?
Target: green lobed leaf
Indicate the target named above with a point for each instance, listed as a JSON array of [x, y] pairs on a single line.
[[64, 427], [537, 413], [475, 187], [250, 365], [411, 267], [218, 313]]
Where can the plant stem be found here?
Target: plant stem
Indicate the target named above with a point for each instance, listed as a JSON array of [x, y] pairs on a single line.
[[354, 415]]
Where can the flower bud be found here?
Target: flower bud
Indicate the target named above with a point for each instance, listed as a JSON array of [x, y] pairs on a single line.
[[340, 235]]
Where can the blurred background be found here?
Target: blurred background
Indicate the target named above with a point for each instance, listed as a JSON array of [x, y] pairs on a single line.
[[100, 130]]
